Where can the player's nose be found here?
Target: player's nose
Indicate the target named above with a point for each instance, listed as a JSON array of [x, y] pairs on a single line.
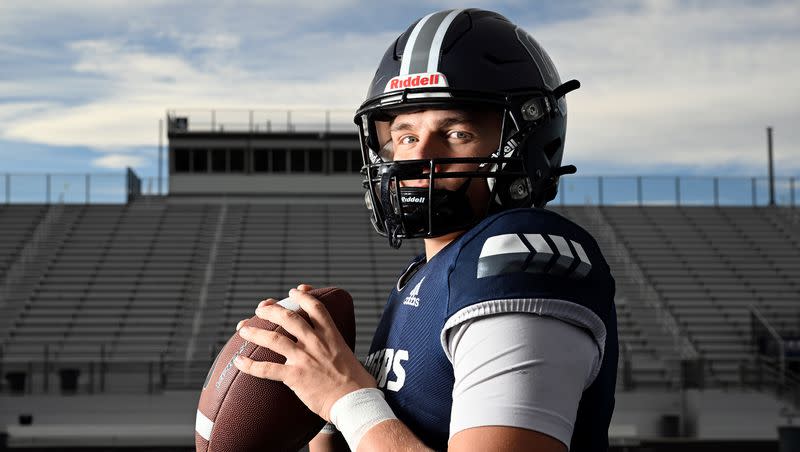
[[430, 146]]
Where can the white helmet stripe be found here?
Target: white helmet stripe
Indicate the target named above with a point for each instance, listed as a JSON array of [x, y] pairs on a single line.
[[438, 38]]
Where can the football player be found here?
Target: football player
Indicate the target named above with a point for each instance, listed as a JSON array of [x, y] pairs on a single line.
[[502, 335]]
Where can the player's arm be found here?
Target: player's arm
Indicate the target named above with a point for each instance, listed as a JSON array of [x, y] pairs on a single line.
[[512, 391], [528, 384]]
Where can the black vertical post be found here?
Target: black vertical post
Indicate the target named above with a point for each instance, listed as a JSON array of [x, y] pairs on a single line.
[[46, 373], [160, 152], [150, 377], [91, 377], [162, 372], [639, 195], [30, 375], [327, 121], [600, 190], [102, 368], [771, 168]]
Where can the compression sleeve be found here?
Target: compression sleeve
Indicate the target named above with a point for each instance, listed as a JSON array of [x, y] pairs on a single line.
[[520, 370]]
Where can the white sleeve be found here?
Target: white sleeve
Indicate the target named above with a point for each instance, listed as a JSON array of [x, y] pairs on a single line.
[[520, 370]]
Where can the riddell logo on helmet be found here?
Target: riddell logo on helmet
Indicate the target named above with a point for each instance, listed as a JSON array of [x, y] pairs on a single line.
[[428, 79]]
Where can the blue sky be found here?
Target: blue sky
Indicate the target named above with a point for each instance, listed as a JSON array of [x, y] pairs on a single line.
[[669, 87]]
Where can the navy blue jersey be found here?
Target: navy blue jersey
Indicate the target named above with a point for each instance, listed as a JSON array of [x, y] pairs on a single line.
[[522, 260]]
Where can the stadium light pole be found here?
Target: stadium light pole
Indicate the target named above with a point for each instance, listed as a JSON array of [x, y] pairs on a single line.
[[771, 168]]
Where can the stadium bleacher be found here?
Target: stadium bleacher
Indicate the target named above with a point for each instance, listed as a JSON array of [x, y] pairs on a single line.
[[138, 298], [168, 280]]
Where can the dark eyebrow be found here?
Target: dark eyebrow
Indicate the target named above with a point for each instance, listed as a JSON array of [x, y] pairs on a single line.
[[455, 118]]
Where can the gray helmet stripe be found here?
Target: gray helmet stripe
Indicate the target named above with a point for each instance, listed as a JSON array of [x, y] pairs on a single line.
[[438, 38], [418, 47], [412, 38]]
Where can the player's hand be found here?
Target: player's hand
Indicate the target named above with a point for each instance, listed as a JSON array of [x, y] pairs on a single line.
[[269, 301], [320, 367]]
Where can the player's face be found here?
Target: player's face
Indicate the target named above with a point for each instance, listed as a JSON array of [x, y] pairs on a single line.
[[430, 134]]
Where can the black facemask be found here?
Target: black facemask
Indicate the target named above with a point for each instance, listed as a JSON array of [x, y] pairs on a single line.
[[421, 210]]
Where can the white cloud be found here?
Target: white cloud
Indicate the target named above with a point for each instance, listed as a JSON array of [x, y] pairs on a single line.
[[663, 82], [681, 84], [118, 161]]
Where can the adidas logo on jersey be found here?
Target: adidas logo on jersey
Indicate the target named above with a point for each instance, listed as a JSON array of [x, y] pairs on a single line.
[[413, 298], [383, 362], [533, 253]]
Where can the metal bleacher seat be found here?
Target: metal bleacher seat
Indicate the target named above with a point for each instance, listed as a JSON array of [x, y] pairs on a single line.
[[709, 264]]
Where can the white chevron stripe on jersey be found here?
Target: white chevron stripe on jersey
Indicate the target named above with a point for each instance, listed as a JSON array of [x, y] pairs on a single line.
[[565, 258], [532, 253], [543, 253], [585, 266], [503, 244]]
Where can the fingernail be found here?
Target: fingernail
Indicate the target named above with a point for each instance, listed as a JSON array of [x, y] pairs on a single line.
[[244, 330]]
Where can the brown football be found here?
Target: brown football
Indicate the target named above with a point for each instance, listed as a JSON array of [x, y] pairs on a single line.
[[240, 412]]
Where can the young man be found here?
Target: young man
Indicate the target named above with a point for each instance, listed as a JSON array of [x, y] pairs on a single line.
[[502, 336]]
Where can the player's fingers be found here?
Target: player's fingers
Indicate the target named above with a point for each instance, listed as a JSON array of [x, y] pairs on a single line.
[[320, 317], [288, 319], [260, 369], [239, 325], [272, 340], [267, 302], [304, 288]]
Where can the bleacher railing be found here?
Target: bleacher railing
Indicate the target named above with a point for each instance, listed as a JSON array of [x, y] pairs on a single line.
[[573, 190], [676, 190], [71, 188]]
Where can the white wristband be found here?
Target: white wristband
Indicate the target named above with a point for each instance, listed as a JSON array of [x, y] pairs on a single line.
[[357, 412]]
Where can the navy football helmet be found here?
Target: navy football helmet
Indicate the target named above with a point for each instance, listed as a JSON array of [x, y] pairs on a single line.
[[463, 59]]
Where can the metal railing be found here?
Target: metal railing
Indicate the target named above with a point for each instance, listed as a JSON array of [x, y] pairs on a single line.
[[573, 190], [260, 121], [69, 188], [676, 190]]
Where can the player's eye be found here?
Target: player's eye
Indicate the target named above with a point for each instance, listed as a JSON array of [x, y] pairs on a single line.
[[460, 135], [407, 139]]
